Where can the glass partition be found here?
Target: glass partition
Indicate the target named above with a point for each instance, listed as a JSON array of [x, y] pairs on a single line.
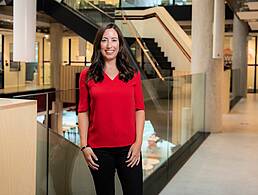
[[187, 102], [99, 12], [61, 168], [155, 139], [99, 3], [128, 3], [153, 3], [174, 110]]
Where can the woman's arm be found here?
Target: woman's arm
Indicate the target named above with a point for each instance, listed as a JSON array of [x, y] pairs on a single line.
[[83, 122], [140, 119], [134, 153]]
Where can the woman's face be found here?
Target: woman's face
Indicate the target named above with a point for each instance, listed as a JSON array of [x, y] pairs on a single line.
[[109, 45]]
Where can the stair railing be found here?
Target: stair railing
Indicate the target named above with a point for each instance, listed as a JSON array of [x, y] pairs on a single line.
[[131, 29], [145, 50], [154, 14]]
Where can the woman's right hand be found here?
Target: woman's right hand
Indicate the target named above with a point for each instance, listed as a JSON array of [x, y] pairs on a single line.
[[89, 156]]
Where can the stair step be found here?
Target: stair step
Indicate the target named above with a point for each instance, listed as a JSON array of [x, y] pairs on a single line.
[[161, 58], [151, 44], [153, 47], [165, 65], [157, 53], [166, 72], [130, 40], [149, 39]]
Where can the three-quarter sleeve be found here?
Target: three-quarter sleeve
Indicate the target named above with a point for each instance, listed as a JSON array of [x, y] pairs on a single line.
[[83, 92], [138, 94]]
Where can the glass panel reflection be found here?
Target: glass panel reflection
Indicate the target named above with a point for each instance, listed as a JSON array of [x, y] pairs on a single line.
[[174, 113]]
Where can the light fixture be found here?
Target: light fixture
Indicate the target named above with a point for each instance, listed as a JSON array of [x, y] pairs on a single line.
[[24, 30], [46, 36], [218, 29]]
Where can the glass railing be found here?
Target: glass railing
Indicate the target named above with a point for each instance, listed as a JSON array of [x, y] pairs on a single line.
[[153, 3], [183, 2], [129, 3], [174, 113], [61, 168], [95, 11], [188, 100]]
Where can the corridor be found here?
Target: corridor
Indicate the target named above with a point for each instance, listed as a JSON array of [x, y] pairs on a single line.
[[226, 163]]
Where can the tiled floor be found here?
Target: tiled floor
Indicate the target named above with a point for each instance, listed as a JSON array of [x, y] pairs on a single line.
[[226, 163]]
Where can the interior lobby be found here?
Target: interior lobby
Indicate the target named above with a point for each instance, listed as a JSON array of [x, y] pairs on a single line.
[[198, 65]]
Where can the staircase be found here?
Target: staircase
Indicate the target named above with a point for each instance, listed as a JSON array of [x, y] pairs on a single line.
[[164, 65], [82, 25]]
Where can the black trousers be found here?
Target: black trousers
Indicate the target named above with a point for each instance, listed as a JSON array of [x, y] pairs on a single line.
[[111, 160]]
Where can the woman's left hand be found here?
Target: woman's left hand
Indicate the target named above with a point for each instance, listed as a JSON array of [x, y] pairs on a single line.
[[134, 155]]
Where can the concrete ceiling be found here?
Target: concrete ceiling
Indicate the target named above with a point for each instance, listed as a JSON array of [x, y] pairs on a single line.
[[249, 13], [6, 20]]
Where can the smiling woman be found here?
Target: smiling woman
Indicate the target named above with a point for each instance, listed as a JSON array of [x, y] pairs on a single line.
[[109, 55], [109, 45], [111, 115]]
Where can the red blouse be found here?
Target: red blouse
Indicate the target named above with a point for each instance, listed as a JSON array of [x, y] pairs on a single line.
[[113, 104]]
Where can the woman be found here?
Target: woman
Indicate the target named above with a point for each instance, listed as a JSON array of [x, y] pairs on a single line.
[[111, 115]]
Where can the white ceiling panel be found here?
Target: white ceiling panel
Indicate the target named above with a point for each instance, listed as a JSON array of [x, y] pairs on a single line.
[[252, 5], [253, 25]]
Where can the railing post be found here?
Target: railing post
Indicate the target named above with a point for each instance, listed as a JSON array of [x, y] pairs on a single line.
[[48, 127]]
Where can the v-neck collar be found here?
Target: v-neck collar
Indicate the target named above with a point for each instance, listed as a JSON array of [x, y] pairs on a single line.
[[110, 77]]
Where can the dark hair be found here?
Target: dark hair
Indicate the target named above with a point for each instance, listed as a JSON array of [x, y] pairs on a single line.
[[95, 72]]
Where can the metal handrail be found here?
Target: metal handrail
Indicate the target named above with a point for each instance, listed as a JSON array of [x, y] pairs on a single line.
[[166, 28]]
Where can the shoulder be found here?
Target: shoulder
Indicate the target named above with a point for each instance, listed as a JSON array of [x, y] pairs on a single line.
[[137, 74], [136, 77], [85, 71]]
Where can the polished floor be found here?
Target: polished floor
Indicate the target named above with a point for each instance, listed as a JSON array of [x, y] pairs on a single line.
[[226, 163]]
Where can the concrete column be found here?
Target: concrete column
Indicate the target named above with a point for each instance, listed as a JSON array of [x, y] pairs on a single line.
[[239, 58], [202, 62], [56, 31]]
